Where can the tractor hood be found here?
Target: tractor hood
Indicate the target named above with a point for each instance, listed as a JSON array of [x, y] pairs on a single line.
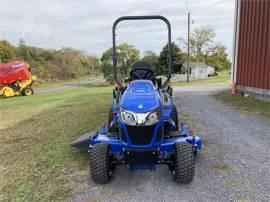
[[141, 96]]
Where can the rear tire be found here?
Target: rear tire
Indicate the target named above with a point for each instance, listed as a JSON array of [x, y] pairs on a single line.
[[100, 163], [110, 119], [175, 119], [27, 91], [184, 163]]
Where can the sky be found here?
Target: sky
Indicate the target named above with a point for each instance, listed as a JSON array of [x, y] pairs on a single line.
[[87, 24]]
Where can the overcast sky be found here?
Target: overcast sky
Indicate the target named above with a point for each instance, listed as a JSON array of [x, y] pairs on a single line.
[[86, 24]]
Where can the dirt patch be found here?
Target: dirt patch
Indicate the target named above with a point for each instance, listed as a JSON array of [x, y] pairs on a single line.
[[222, 168], [237, 184], [91, 200], [238, 198], [79, 179], [79, 176]]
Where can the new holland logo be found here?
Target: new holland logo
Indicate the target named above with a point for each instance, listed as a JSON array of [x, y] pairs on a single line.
[[140, 106]]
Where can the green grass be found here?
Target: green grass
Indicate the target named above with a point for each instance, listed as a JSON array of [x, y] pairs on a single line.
[[43, 84], [222, 77], [247, 104], [35, 133]]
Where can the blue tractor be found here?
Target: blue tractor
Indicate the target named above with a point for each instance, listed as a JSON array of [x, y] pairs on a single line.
[[143, 129]]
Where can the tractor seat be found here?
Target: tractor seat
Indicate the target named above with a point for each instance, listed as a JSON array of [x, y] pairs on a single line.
[[142, 71]]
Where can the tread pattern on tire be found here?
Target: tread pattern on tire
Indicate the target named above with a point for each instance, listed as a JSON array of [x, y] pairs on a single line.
[[175, 118], [99, 163], [184, 163], [110, 118]]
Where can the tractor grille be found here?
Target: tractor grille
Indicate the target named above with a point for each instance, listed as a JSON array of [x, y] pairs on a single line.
[[141, 135], [122, 135]]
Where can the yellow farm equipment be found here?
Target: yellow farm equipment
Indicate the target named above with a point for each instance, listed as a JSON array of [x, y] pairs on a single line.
[[16, 79]]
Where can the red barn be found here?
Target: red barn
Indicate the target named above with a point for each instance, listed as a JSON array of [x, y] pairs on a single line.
[[251, 47]]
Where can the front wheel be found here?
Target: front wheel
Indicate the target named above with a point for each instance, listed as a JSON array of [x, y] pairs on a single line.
[[100, 163], [183, 163], [27, 91]]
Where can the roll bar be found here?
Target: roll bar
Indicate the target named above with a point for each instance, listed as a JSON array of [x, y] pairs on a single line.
[[149, 17]]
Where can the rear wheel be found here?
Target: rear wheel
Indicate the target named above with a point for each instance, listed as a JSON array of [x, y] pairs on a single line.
[[183, 163], [100, 163], [175, 119], [27, 91], [110, 119]]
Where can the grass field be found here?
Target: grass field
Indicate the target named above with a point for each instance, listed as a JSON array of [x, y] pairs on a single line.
[[42, 84], [35, 133], [247, 104]]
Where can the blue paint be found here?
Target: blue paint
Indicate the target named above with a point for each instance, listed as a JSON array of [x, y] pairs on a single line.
[[103, 130], [140, 93], [166, 145]]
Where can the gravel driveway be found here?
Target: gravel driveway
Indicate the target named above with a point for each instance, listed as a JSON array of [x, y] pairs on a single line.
[[234, 165]]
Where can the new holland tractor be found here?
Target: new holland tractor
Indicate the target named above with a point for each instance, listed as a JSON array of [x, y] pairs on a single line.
[[143, 129], [16, 79]]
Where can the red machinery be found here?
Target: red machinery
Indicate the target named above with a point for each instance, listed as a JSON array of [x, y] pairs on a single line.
[[15, 79], [14, 71]]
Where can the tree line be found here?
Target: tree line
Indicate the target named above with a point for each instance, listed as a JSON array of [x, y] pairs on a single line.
[[48, 64], [202, 45], [68, 63]]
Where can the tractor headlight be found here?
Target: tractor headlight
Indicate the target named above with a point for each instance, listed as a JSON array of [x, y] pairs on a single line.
[[152, 117], [139, 119], [128, 117]]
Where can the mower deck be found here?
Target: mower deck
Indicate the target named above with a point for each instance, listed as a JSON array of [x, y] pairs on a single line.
[[85, 141]]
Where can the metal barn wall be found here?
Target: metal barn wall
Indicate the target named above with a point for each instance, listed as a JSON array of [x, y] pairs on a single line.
[[253, 44]]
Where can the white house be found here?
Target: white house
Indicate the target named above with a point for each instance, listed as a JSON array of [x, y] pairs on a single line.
[[200, 70]]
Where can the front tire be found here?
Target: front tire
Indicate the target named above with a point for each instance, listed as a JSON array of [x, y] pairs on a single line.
[[100, 163], [184, 163], [27, 91]]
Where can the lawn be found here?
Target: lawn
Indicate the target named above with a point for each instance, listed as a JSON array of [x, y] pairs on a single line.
[[35, 132], [53, 82], [222, 77], [247, 104]]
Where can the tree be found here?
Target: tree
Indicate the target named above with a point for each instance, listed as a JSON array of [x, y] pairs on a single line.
[[163, 58], [23, 51], [126, 55], [7, 51], [219, 58], [202, 41], [21, 41], [151, 58]]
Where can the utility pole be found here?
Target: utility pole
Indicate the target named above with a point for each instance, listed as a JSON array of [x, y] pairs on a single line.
[[188, 69]]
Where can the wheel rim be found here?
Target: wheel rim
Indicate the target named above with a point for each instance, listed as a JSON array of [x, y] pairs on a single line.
[[28, 92]]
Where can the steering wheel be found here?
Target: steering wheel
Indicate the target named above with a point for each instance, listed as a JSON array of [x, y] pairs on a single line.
[[137, 73]]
